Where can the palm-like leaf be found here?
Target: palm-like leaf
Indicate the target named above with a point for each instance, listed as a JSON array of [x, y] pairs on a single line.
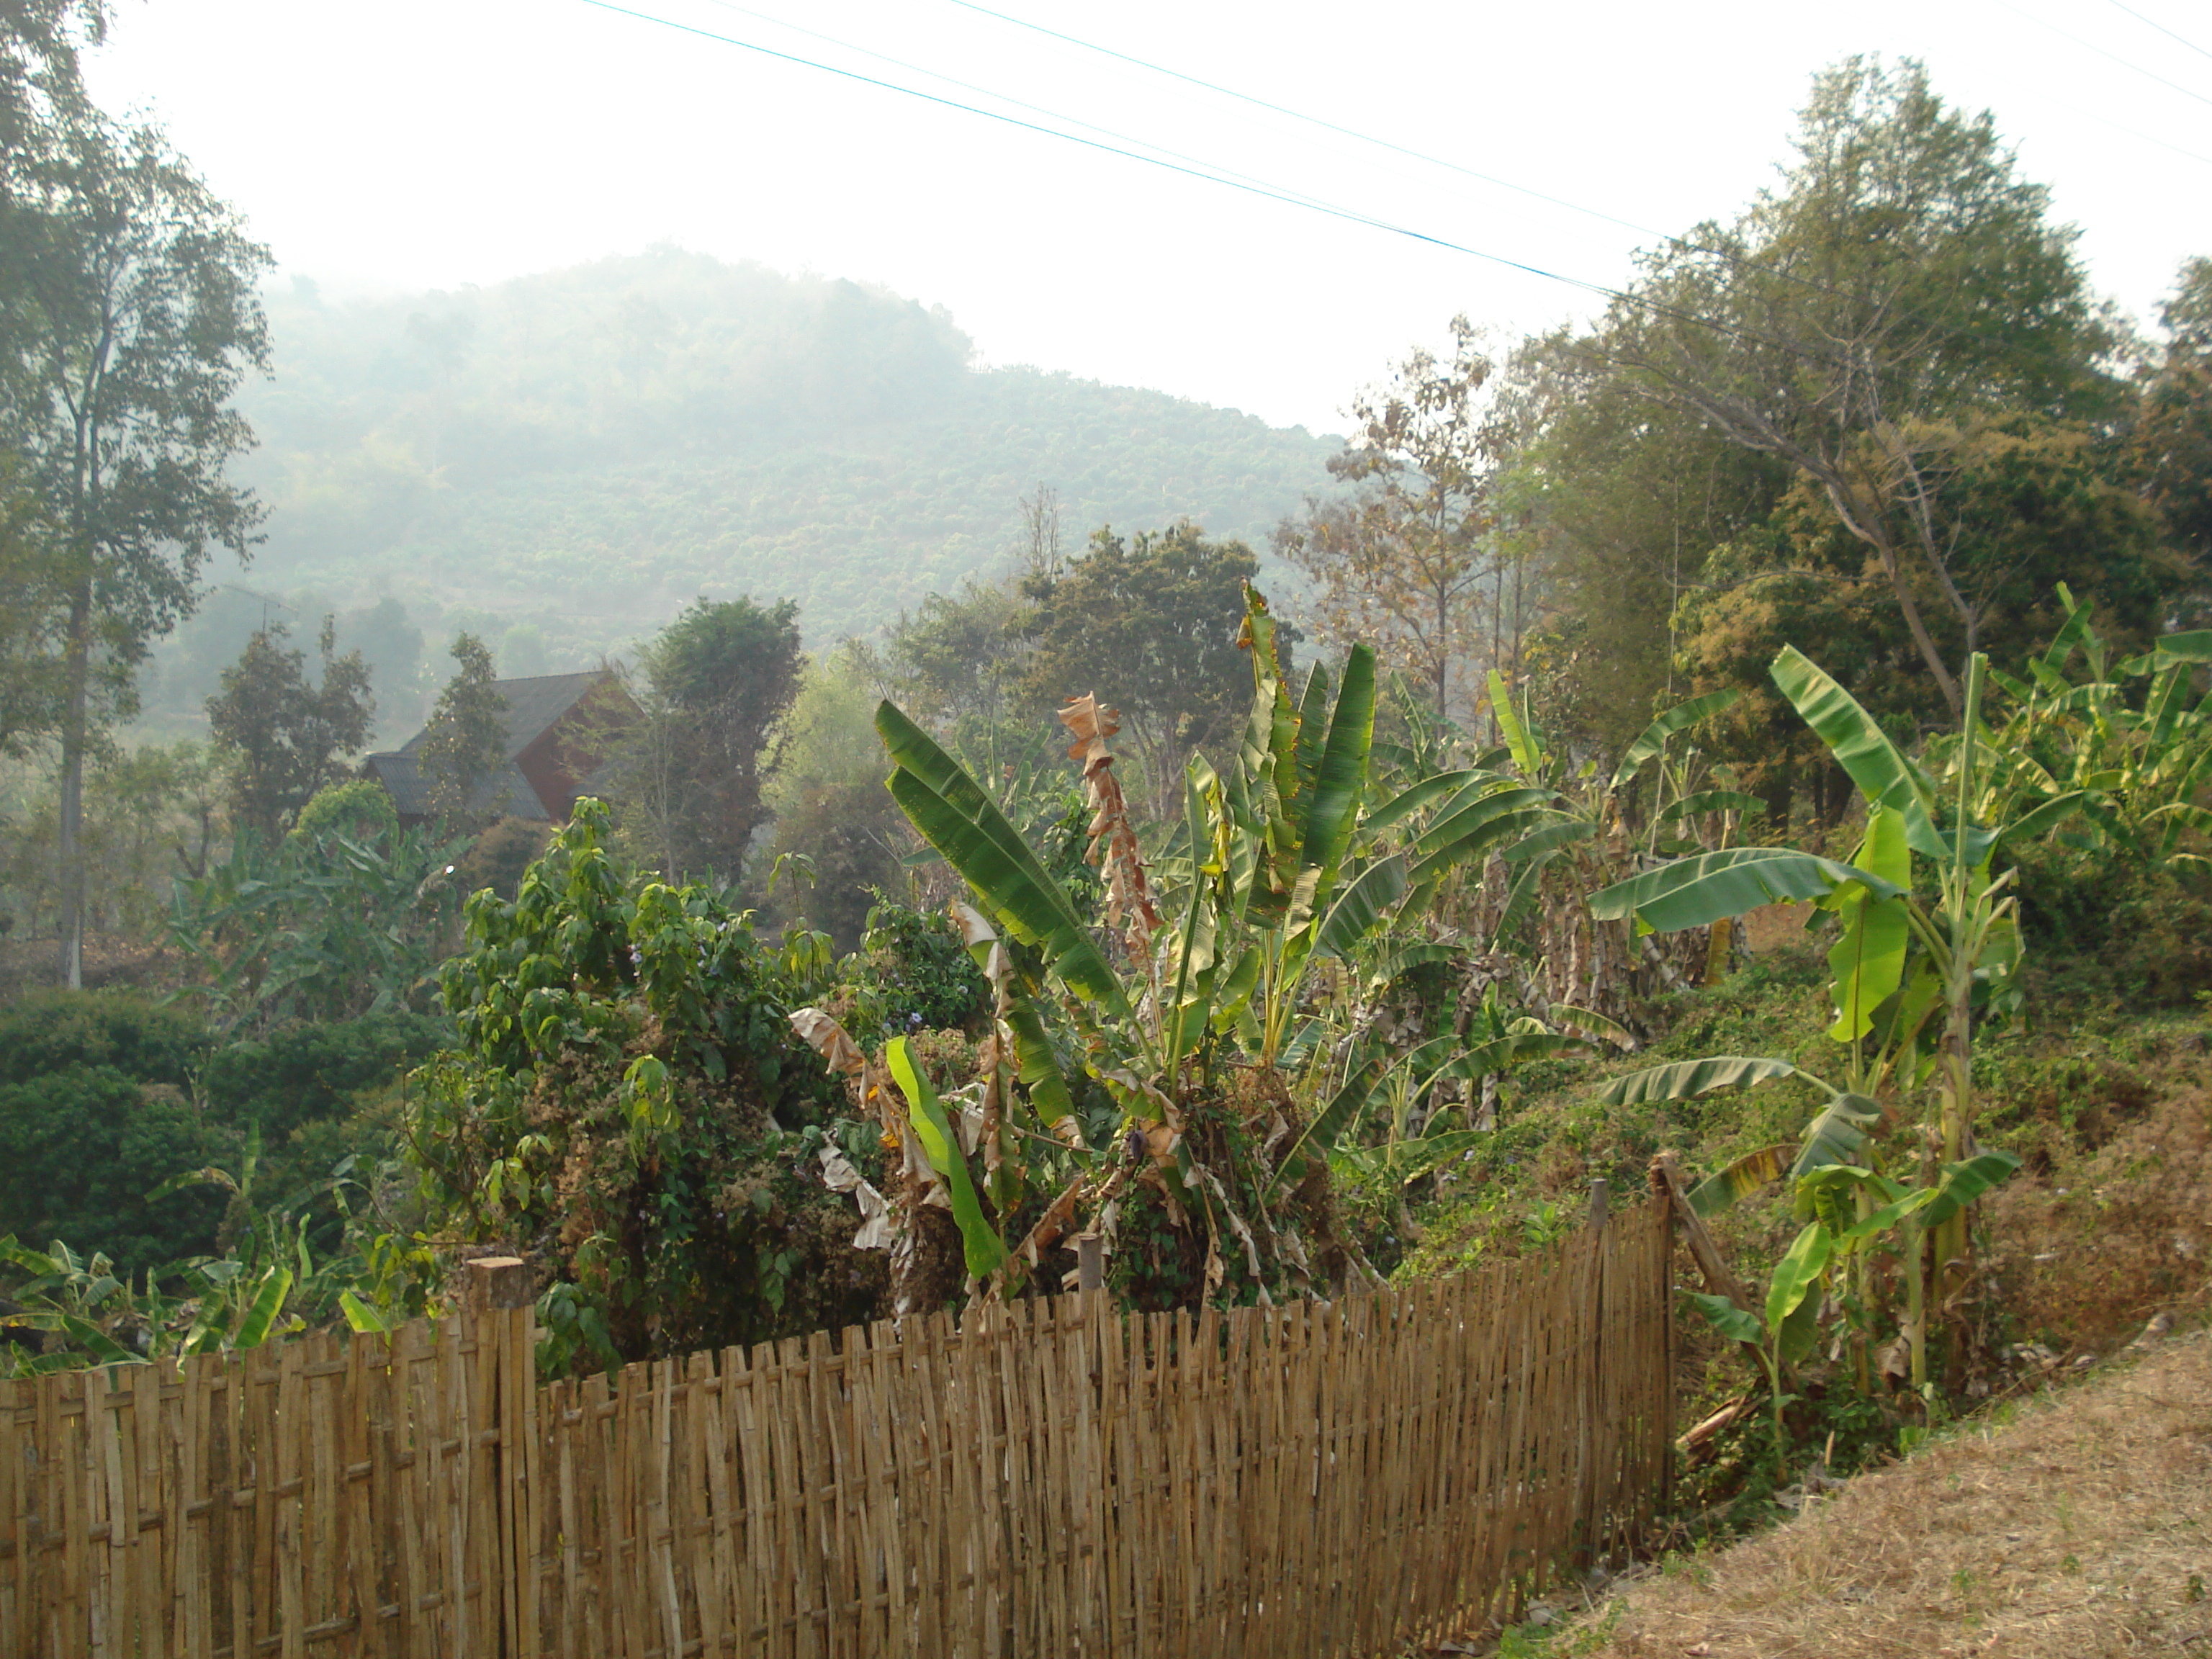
[[984, 1251], [967, 828], [1691, 1080], [1693, 892], [1653, 743], [1863, 749]]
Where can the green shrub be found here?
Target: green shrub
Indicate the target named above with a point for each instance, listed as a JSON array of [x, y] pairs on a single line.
[[502, 854], [620, 1106], [305, 1073], [360, 811], [2146, 933], [919, 973], [47, 1031], [82, 1147]]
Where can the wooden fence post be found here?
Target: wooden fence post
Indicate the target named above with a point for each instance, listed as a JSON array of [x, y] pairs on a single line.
[[504, 1321], [1090, 1262]]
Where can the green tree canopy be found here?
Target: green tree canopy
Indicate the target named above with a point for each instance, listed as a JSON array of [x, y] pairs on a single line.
[[1151, 626], [286, 734], [466, 739], [130, 298], [1408, 561], [1865, 322], [715, 686]]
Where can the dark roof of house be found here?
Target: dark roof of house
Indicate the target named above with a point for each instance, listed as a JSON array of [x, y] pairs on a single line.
[[503, 793], [532, 706]]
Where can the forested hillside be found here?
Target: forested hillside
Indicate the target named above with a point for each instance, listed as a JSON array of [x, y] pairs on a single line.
[[562, 461]]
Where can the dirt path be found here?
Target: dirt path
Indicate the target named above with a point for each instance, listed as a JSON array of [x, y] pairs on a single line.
[[2082, 1527]]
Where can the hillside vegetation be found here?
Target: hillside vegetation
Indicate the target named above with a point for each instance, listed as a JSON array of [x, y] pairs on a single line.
[[561, 462]]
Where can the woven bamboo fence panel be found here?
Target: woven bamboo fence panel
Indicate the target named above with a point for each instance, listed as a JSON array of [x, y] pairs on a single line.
[[1047, 1478]]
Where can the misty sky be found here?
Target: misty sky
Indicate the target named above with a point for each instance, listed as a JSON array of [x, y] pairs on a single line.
[[416, 143]]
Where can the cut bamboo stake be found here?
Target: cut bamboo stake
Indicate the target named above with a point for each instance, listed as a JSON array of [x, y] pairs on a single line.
[[1667, 1179]]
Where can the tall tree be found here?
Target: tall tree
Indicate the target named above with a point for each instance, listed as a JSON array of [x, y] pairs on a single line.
[[1403, 562], [465, 741], [35, 590], [2168, 449], [1865, 322], [285, 733], [1151, 626], [1619, 503], [716, 684], [131, 310]]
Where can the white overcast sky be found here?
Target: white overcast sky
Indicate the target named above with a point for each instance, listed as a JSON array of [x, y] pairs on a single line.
[[438, 143]]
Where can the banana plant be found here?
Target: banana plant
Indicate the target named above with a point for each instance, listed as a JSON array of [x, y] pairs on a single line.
[[1153, 1011], [1968, 938], [2123, 757]]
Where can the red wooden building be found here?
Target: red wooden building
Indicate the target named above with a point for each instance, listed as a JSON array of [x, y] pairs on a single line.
[[558, 728]]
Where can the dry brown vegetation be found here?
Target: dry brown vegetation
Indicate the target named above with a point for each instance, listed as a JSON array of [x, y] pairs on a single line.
[[2081, 1526]]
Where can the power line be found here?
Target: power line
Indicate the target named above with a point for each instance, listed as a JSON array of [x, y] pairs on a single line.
[[2161, 28], [1199, 170], [986, 92], [1212, 174], [2092, 45], [1740, 262], [1310, 120]]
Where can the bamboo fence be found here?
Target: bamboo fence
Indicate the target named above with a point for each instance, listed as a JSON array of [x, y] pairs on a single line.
[[1050, 1477]]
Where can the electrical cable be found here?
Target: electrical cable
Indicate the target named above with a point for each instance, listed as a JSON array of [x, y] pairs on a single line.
[[1740, 262], [1210, 173], [1310, 120], [2161, 28], [2090, 45], [1200, 171], [986, 92]]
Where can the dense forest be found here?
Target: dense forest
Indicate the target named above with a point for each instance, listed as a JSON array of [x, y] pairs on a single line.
[[1770, 725], [560, 462]]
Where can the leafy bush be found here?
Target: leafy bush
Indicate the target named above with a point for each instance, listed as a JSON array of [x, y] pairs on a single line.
[[502, 855], [2146, 932], [80, 1148], [618, 1108], [327, 928], [300, 1074], [360, 811], [919, 970], [47, 1031]]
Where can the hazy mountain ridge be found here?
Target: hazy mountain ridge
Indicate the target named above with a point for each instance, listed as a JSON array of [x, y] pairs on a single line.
[[570, 457]]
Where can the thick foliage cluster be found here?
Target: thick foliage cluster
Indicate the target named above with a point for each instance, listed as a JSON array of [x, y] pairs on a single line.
[[103, 1098], [624, 1105]]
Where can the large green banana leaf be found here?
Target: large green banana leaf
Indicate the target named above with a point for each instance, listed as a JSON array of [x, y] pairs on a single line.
[[1680, 717], [1691, 1079], [1867, 963], [1429, 790], [1460, 821], [965, 826], [1339, 781], [984, 1251], [1363, 905], [1692, 892], [1518, 736], [1835, 1136], [1881, 769], [1313, 716], [1965, 1181], [1741, 1178]]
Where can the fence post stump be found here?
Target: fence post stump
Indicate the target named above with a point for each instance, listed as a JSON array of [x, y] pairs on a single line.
[[1090, 1262], [501, 1312]]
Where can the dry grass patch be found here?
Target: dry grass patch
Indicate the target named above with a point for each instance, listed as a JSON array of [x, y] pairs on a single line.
[[2082, 1527]]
